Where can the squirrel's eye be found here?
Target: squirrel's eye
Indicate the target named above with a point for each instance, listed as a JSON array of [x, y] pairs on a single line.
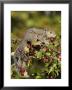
[[37, 39]]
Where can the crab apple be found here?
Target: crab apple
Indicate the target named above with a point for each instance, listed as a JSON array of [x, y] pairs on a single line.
[[45, 49], [22, 70], [45, 59], [59, 57]]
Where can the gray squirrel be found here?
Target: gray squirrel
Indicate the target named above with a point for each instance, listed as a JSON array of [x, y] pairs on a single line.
[[35, 34]]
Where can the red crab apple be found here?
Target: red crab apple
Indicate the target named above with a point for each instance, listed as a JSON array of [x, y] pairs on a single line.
[[59, 57], [45, 49], [22, 70], [45, 59]]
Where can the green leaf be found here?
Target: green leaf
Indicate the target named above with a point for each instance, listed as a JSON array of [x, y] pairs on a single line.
[[38, 77], [46, 64], [48, 53], [39, 54]]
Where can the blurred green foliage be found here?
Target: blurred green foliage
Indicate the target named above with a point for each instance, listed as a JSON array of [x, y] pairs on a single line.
[[22, 20]]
